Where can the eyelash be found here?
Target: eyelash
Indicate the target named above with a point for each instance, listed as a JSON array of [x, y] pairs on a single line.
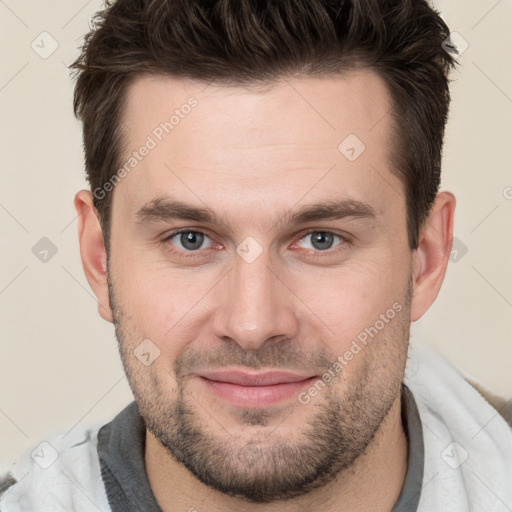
[[185, 254], [345, 241]]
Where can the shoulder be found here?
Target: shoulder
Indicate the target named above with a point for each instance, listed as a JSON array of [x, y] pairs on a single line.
[[445, 390], [502, 406], [60, 474], [466, 435]]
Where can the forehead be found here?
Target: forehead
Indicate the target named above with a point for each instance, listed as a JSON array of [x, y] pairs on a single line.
[[356, 101], [208, 140]]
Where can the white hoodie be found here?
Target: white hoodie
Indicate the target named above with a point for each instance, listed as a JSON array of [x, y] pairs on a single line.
[[468, 452]]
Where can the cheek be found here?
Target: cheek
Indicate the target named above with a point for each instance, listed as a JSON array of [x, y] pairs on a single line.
[[175, 306], [166, 306], [349, 299]]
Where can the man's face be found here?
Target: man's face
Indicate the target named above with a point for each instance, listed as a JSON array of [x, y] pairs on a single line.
[[255, 287]]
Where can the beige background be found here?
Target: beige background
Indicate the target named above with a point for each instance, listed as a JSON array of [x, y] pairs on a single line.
[[59, 367]]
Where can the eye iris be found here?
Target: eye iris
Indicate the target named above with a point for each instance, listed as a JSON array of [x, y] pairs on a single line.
[[321, 240], [191, 240]]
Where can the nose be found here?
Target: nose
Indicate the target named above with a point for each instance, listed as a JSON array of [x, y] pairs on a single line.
[[255, 305]]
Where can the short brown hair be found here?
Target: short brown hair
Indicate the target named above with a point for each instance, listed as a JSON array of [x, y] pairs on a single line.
[[248, 42]]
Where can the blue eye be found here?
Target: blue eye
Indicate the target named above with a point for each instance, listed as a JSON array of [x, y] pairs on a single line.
[[189, 240], [320, 240]]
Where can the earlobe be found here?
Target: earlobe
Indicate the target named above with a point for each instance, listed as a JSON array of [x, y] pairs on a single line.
[[92, 250], [430, 258]]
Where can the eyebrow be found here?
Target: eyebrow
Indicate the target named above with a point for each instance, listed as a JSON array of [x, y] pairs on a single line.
[[165, 208], [330, 210]]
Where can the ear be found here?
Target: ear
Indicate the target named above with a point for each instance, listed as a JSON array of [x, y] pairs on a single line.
[[92, 250], [430, 258]]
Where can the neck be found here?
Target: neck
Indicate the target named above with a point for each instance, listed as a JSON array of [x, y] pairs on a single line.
[[373, 482]]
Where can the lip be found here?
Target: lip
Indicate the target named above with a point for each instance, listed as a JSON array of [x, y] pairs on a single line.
[[254, 389]]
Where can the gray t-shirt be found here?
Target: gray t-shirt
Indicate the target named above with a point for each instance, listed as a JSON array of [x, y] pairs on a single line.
[[121, 454]]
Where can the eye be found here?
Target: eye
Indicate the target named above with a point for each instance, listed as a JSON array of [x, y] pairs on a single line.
[[319, 240], [189, 240]]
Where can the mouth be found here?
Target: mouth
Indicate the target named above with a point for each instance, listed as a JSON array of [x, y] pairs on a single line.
[[255, 390]]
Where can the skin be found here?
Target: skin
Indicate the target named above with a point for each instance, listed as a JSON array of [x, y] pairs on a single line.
[[254, 157]]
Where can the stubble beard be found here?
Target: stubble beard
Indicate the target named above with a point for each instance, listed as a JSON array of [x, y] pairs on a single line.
[[270, 467]]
